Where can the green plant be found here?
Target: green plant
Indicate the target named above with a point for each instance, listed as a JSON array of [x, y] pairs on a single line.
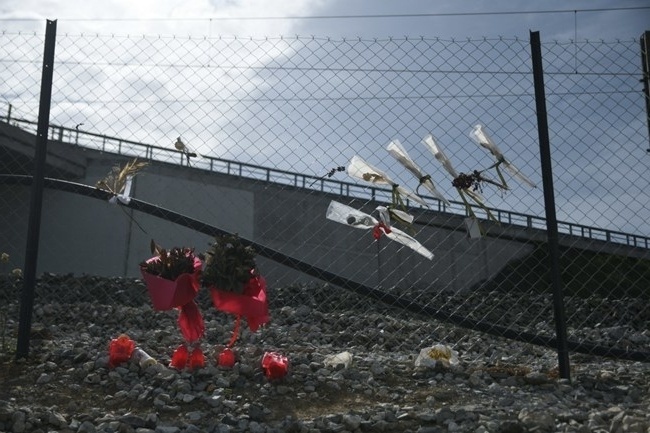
[[228, 264], [169, 264]]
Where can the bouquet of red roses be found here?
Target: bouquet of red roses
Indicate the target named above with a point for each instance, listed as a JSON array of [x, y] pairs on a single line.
[[173, 281]]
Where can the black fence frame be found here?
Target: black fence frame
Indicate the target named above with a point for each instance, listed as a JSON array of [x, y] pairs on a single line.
[[560, 343]]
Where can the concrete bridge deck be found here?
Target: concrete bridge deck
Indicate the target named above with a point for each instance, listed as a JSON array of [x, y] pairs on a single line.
[[248, 204]]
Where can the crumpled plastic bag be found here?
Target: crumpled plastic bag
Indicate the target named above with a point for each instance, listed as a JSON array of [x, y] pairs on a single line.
[[439, 354], [343, 358]]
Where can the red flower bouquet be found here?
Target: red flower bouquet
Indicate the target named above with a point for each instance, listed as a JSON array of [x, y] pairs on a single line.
[[235, 286], [172, 279]]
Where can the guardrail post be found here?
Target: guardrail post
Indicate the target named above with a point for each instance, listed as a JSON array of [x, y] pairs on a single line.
[[549, 205], [36, 201]]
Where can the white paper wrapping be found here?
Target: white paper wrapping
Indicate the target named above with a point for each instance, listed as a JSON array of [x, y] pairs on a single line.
[[354, 218], [398, 152], [431, 143], [360, 169], [479, 135], [125, 195], [386, 215]]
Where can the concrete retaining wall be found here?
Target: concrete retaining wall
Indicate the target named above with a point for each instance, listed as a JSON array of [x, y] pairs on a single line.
[[86, 236]]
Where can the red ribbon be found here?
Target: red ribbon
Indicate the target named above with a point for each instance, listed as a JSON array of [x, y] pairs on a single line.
[[379, 229], [235, 333], [182, 358], [226, 358], [179, 357], [191, 322], [197, 359], [251, 303]]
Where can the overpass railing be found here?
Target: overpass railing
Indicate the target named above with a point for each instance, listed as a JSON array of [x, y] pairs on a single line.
[[131, 148]]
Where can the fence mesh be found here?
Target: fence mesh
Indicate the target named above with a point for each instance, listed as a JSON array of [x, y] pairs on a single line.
[[278, 116]]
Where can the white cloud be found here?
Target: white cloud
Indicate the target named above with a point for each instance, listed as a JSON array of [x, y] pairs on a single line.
[[219, 96], [166, 17]]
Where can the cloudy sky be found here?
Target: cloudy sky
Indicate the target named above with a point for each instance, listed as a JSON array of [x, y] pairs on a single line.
[[561, 19], [138, 88]]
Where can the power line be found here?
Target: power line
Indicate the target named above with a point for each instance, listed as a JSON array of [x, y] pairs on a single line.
[[359, 16], [327, 98]]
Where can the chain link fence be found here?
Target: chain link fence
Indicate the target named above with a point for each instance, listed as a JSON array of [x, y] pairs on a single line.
[[273, 120]]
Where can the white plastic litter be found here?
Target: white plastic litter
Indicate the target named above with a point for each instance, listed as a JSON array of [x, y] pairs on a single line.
[[143, 359], [343, 358], [439, 354]]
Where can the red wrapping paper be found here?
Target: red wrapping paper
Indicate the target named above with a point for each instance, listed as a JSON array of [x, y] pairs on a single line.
[[197, 359], [274, 365], [191, 322], [179, 357], [226, 358], [251, 303], [120, 350], [180, 293], [167, 294]]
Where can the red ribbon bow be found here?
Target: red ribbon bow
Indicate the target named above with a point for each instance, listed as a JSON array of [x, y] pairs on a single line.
[[379, 229], [184, 358], [191, 322], [251, 303]]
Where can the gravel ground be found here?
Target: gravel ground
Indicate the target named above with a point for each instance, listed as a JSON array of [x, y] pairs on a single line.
[[498, 386]]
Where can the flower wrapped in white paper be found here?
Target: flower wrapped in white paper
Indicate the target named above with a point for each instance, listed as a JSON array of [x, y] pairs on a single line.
[[479, 135], [120, 180], [398, 152], [432, 144], [360, 169], [125, 195], [352, 217]]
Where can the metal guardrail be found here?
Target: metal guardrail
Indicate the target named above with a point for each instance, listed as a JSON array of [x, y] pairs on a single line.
[[130, 148]]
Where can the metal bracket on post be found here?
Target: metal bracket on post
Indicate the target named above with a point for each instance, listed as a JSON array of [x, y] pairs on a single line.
[[549, 205], [36, 201]]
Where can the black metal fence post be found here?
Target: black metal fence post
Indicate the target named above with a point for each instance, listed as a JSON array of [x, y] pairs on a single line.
[[645, 67], [549, 205], [34, 222]]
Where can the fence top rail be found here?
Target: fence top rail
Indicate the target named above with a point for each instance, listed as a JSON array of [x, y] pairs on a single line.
[[319, 183]]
